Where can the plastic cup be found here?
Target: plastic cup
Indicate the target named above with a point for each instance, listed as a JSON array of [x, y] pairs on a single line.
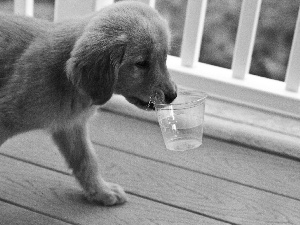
[[181, 122]]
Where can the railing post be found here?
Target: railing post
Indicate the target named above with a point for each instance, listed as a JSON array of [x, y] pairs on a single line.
[[292, 78], [24, 7], [245, 38], [193, 30]]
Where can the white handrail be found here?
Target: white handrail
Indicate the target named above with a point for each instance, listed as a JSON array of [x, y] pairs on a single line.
[[193, 30], [292, 79], [245, 38]]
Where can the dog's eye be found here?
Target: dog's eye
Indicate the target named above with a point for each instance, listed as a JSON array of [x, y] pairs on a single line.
[[143, 64]]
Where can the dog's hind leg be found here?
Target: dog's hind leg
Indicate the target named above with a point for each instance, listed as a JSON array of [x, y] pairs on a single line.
[[75, 145]]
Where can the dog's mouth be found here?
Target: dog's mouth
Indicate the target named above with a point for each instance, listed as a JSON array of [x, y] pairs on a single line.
[[157, 97], [150, 105]]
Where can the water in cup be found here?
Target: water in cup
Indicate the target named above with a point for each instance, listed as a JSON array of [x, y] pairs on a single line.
[[180, 139]]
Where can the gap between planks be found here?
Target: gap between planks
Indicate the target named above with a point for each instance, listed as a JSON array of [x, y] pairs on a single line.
[[55, 194], [128, 192], [18, 215], [215, 158], [119, 167]]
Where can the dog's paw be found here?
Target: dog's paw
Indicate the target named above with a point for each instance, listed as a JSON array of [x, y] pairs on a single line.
[[110, 194]]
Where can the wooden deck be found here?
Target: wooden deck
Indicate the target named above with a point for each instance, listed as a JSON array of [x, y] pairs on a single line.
[[218, 183]]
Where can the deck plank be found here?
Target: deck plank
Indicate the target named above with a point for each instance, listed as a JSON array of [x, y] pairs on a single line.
[[11, 214], [214, 157], [57, 194], [187, 189]]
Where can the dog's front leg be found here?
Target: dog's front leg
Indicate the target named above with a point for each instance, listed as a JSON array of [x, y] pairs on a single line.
[[75, 145]]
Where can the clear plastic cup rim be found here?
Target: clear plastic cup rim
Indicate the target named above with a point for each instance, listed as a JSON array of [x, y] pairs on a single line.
[[197, 97]]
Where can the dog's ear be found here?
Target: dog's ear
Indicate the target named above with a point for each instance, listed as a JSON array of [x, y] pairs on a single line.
[[94, 64]]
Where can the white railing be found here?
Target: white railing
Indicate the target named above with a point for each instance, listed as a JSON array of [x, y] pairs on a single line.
[[236, 84], [24, 7]]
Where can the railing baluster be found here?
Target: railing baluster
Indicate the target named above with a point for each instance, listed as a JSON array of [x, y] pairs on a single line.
[[102, 3], [149, 2], [292, 78], [193, 30], [245, 38], [24, 7], [65, 9]]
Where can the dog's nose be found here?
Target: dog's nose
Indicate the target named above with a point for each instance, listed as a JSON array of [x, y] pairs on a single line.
[[170, 97]]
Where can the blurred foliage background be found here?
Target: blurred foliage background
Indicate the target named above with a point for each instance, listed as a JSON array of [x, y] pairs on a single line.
[[273, 39]]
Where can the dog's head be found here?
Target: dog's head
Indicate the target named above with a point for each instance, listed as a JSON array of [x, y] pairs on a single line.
[[123, 50]]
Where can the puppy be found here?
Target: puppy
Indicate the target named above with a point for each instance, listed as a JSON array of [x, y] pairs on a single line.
[[53, 76]]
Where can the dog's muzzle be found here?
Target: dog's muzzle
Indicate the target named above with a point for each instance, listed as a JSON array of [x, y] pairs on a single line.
[[170, 97], [166, 95]]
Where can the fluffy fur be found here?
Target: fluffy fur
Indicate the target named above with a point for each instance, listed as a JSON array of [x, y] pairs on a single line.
[[53, 75]]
